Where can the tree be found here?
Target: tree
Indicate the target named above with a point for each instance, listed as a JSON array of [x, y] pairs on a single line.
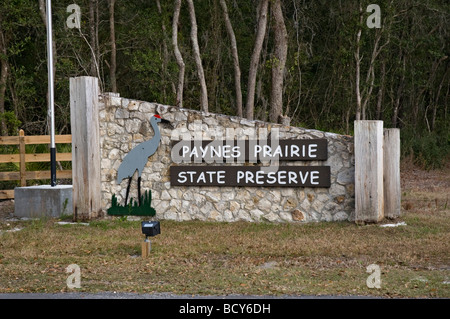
[[254, 62], [278, 62], [165, 73], [93, 34], [358, 67], [178, 56], [336, 69], [113, 64], [4, 67], [198, 60], [234, 52]]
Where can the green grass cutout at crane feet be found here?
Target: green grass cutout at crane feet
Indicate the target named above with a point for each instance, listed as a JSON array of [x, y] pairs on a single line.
[[133, 209]]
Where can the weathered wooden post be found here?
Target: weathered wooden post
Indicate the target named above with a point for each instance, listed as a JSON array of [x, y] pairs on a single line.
[[369, 200], [392, 189], [23, 170], [84, 122]]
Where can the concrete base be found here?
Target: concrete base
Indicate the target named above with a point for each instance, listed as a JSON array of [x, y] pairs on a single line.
[[43, 201]]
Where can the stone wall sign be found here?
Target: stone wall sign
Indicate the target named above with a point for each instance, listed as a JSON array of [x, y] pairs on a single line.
[[308, 178]]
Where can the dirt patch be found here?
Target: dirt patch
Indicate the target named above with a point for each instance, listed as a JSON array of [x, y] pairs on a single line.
[[415, 179], [6, 209], [425, 189]]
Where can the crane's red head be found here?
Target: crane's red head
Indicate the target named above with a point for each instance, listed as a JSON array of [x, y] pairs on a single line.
[[160, 119]]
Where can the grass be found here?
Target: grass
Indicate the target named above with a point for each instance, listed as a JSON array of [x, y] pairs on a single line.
[[231, 258], [136, 209], [242, 258]]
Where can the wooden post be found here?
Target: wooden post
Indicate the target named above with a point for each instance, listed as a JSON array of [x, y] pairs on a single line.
[[369, 199], [84, 122], [22, 151], [146, 248], [392, 189]]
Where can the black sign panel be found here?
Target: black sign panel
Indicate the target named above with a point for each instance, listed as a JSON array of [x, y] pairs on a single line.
[[240, 151], [286, 176]]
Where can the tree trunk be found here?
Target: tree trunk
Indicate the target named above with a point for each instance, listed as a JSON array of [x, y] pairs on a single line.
[[3, 79], [260, 32], [381, 91], [165, 61], [234, 52], [93, 41], [358, 70], [280, 54], [396, 106], [178, 56], [198, 60], [113, 64], [436, 101]]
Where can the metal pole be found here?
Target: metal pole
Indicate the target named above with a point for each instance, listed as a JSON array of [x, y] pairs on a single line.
[[51, 93]]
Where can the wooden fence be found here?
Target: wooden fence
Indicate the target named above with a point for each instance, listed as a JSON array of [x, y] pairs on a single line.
[[22, 158]]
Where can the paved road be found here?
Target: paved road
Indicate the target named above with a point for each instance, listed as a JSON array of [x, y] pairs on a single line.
[[126, 295]]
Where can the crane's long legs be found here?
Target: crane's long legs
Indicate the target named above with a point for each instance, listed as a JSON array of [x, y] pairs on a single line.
[[139, 190], [128, 190]]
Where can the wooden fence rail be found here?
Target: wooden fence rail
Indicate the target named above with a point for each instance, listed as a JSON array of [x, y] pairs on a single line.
[[22, 158]]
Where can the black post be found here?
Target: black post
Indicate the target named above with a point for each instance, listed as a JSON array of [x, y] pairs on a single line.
[[139, 190], [53, 166]]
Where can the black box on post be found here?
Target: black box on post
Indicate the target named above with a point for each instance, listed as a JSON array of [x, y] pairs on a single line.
[[151, 228]]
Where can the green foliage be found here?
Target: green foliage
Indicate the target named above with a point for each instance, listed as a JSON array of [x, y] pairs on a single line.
[[12, 123], [430, 150], [320, 78], [135, 209]]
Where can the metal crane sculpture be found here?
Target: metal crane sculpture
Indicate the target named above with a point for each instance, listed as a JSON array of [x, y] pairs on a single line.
[[137, 158]]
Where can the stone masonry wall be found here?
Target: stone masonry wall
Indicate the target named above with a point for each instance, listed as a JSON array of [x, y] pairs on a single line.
[[124, 123]]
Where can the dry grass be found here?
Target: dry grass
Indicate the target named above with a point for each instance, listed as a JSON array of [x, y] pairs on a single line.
[[239, 258], [216, 258]]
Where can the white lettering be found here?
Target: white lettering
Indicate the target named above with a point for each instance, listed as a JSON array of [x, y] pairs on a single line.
[[240, 175], [271, 178], [183, 177], [185, 150], [74, 280], [245, 308], [249, 177], [201, 178], [191, 174], [312, 148], [267, 151], [73, 20], [236, 151], [257, 150], [374, 280], [292, 177], [278, 151], [203, 150], [194, 152], [281, 177], [226, 150], [259, 177], [196, 309], [221, 177], [374, 20], [314, 176], [294, 150], [216, 152]]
